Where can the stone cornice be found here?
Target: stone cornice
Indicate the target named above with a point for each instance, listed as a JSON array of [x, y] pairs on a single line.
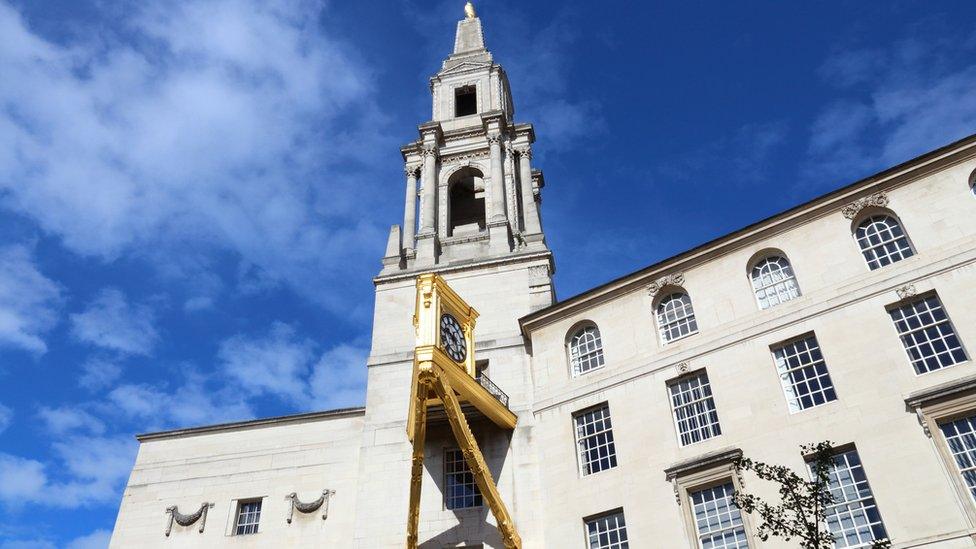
[[703, 461], [466, 266], [251, 424], [938, 392], [828, 204]]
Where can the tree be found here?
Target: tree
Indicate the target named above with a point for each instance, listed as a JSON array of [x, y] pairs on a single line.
[[802, 511]]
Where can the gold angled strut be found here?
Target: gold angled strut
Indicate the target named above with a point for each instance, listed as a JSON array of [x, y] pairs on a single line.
[[438, 376]]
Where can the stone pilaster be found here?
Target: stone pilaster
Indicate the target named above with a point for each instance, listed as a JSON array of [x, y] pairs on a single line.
[[410, 209], [427, 237], [530, 213]]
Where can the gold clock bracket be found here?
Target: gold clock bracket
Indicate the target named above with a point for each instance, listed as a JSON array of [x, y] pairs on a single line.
[[436, 375]]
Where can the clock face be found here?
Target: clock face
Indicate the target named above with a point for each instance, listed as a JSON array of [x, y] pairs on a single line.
[[452, 338]]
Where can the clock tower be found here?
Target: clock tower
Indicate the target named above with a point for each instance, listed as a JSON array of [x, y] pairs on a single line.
[[472, 216]]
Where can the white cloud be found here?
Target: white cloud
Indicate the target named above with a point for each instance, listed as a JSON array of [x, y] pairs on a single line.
[[6, 417], [98, 467], [190, 404], [111, 322], [93, 470], [21, 480], [96, 540], [230, 126], [339, 378], [28, 544], [276, 363], [893, 104], [64, 419], [98, 373], [29, 301]]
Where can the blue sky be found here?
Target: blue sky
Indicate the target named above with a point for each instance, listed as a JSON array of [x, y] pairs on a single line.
[[195, 195]]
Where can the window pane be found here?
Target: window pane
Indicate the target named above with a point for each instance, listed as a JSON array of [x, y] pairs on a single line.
[[694, 409], [803, 374], [607, 532], [882, 241], [927, 335], [460, 489], [960, 436], [676, 317], [586, 350], [594, 439], [718, 519], [248, 517], [774, 282], [853, 518]]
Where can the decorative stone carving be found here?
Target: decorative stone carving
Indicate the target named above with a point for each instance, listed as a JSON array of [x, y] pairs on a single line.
[[429, 149], [187, 520], [682, 367], [878, 199], [411, 169], [494, 138], [460, 157], [538, 271], [906, 291], [311, 507], [673, 279], [525, 151]]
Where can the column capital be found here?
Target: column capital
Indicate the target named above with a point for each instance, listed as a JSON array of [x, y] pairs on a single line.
[[428, 149], [411, 169], [525, 151], [494, 138]]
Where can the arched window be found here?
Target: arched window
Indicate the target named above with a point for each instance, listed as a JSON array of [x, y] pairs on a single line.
[[676, 317], [882, 241], [586, 350], [972, 182], [467, 202], [773, 281]]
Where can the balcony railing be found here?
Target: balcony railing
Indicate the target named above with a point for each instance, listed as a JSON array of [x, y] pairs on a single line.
[[493, 389]]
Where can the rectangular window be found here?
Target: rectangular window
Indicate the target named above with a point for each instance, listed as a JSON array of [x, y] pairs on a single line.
[[717, 519], [853, 518], [465, 101], [460, 489], [927, 334], [607, 532], [248, 517], [960, 436], [694, 409], [803, 372], [594, 439]]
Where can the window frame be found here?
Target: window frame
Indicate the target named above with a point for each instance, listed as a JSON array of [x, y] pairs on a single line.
[[914, 299], [752, 281], [599, 352], [674, 412], [235, 523], [664, 295], [580, 460], [870, 213], [840, 450], [940, 404], [466, 89], [598, 516], [791, 341], [444, 500], [701, 473]]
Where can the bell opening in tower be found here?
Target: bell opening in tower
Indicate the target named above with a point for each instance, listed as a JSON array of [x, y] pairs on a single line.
[[465, 101], [467, 202]]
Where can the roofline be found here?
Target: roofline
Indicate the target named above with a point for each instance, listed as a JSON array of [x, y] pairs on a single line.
[[553, 311], [337, 413]]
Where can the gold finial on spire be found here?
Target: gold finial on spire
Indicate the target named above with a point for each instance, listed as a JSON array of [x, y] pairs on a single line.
[[469, 11]]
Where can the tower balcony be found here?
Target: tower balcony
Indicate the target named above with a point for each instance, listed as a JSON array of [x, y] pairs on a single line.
[[497, 410]]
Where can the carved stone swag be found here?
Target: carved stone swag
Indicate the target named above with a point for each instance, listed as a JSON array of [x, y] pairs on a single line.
[[310, 507], [187, 520]]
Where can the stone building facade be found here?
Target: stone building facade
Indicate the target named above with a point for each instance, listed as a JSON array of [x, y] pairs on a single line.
[[849, 318]]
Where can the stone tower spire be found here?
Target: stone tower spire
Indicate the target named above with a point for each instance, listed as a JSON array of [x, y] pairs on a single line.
[[478, 199]]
